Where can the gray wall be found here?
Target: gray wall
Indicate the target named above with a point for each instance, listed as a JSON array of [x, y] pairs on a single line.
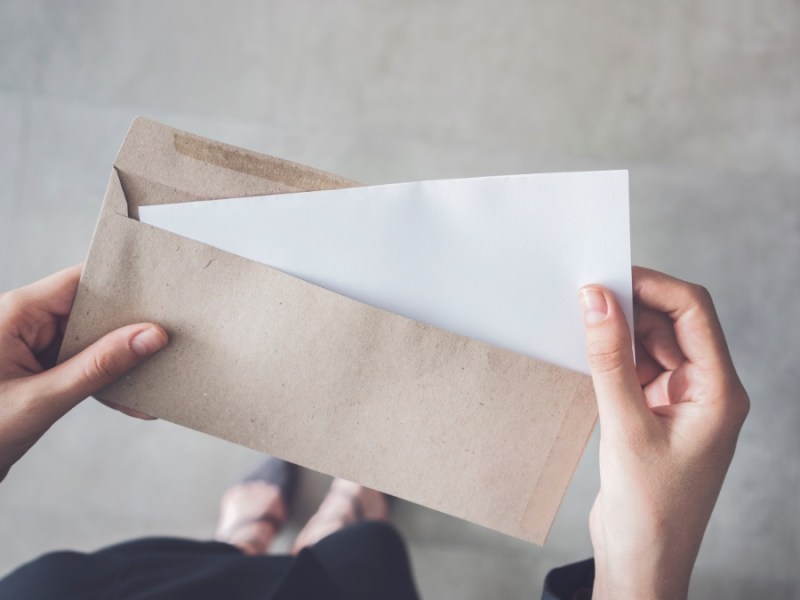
[[700, 100]]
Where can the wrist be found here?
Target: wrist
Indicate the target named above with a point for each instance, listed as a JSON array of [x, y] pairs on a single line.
[[649, 574], [611, 588]]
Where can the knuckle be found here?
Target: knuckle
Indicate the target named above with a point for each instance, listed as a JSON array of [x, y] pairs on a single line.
[[101, 369], [701, 296], [606, 356], [732, 409], [11, 304], [741, 407]]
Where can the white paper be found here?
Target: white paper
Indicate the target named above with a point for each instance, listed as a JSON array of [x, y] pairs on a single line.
[[499, 259]]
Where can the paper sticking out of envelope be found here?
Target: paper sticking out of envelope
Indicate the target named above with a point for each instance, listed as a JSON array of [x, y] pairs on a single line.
[[497, 259], [429, 379]]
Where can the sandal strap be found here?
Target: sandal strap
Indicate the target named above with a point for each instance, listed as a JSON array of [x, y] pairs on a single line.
[[279, 473], [273, 520], [355, 501]]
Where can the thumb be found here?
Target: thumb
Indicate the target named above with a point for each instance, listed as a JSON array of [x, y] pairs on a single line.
[[110, 357], [608, 344]]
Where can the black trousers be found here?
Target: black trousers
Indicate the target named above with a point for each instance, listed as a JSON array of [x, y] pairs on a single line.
[[368, 560]]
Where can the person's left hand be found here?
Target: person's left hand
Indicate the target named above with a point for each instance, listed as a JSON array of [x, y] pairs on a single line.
[[34, 393]]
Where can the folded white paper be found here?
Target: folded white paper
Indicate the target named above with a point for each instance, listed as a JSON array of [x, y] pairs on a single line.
[[498, 259]]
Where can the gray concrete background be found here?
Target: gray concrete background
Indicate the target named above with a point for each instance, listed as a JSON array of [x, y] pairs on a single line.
[[700, 100]]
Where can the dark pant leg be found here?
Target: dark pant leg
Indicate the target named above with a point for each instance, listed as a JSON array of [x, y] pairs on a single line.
[[62, 576], [366, 561], [571, 582], [148, 569]]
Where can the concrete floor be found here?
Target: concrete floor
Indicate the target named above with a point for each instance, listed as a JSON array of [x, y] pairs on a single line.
[[701, 101]]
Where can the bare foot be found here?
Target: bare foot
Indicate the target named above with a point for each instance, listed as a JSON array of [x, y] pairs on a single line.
[[251, 513], [346, 503]]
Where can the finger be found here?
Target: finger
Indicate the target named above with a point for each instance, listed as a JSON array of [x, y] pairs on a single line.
[[34, 311], [696, 325], [608, 344], [655, 331], [657, 392], [646, 366], [53, 294], [97, 366]]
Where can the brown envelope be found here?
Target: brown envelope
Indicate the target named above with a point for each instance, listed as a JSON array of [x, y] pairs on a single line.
[[269, 361]]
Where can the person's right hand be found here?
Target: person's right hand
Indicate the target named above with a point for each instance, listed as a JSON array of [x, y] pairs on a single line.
[[669, 426]]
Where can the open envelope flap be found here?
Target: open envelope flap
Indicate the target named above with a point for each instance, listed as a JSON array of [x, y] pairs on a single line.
[[266, 360], [161, 165]]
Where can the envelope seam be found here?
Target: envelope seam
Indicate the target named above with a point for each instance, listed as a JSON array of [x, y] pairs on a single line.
[[533, 496]]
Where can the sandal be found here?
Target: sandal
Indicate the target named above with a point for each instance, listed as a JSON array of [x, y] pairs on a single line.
[[331, 517], [242, 526]]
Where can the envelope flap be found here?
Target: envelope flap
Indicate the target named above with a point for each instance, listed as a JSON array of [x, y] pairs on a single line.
[[158, 164]]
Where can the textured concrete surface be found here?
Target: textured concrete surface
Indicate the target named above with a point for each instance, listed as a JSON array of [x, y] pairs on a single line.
[[701, 101]]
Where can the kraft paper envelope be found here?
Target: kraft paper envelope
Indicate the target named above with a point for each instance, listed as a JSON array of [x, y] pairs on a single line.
[[266, 360]]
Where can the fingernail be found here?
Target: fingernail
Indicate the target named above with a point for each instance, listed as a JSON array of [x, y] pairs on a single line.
[[595, 307], [148, 341]]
